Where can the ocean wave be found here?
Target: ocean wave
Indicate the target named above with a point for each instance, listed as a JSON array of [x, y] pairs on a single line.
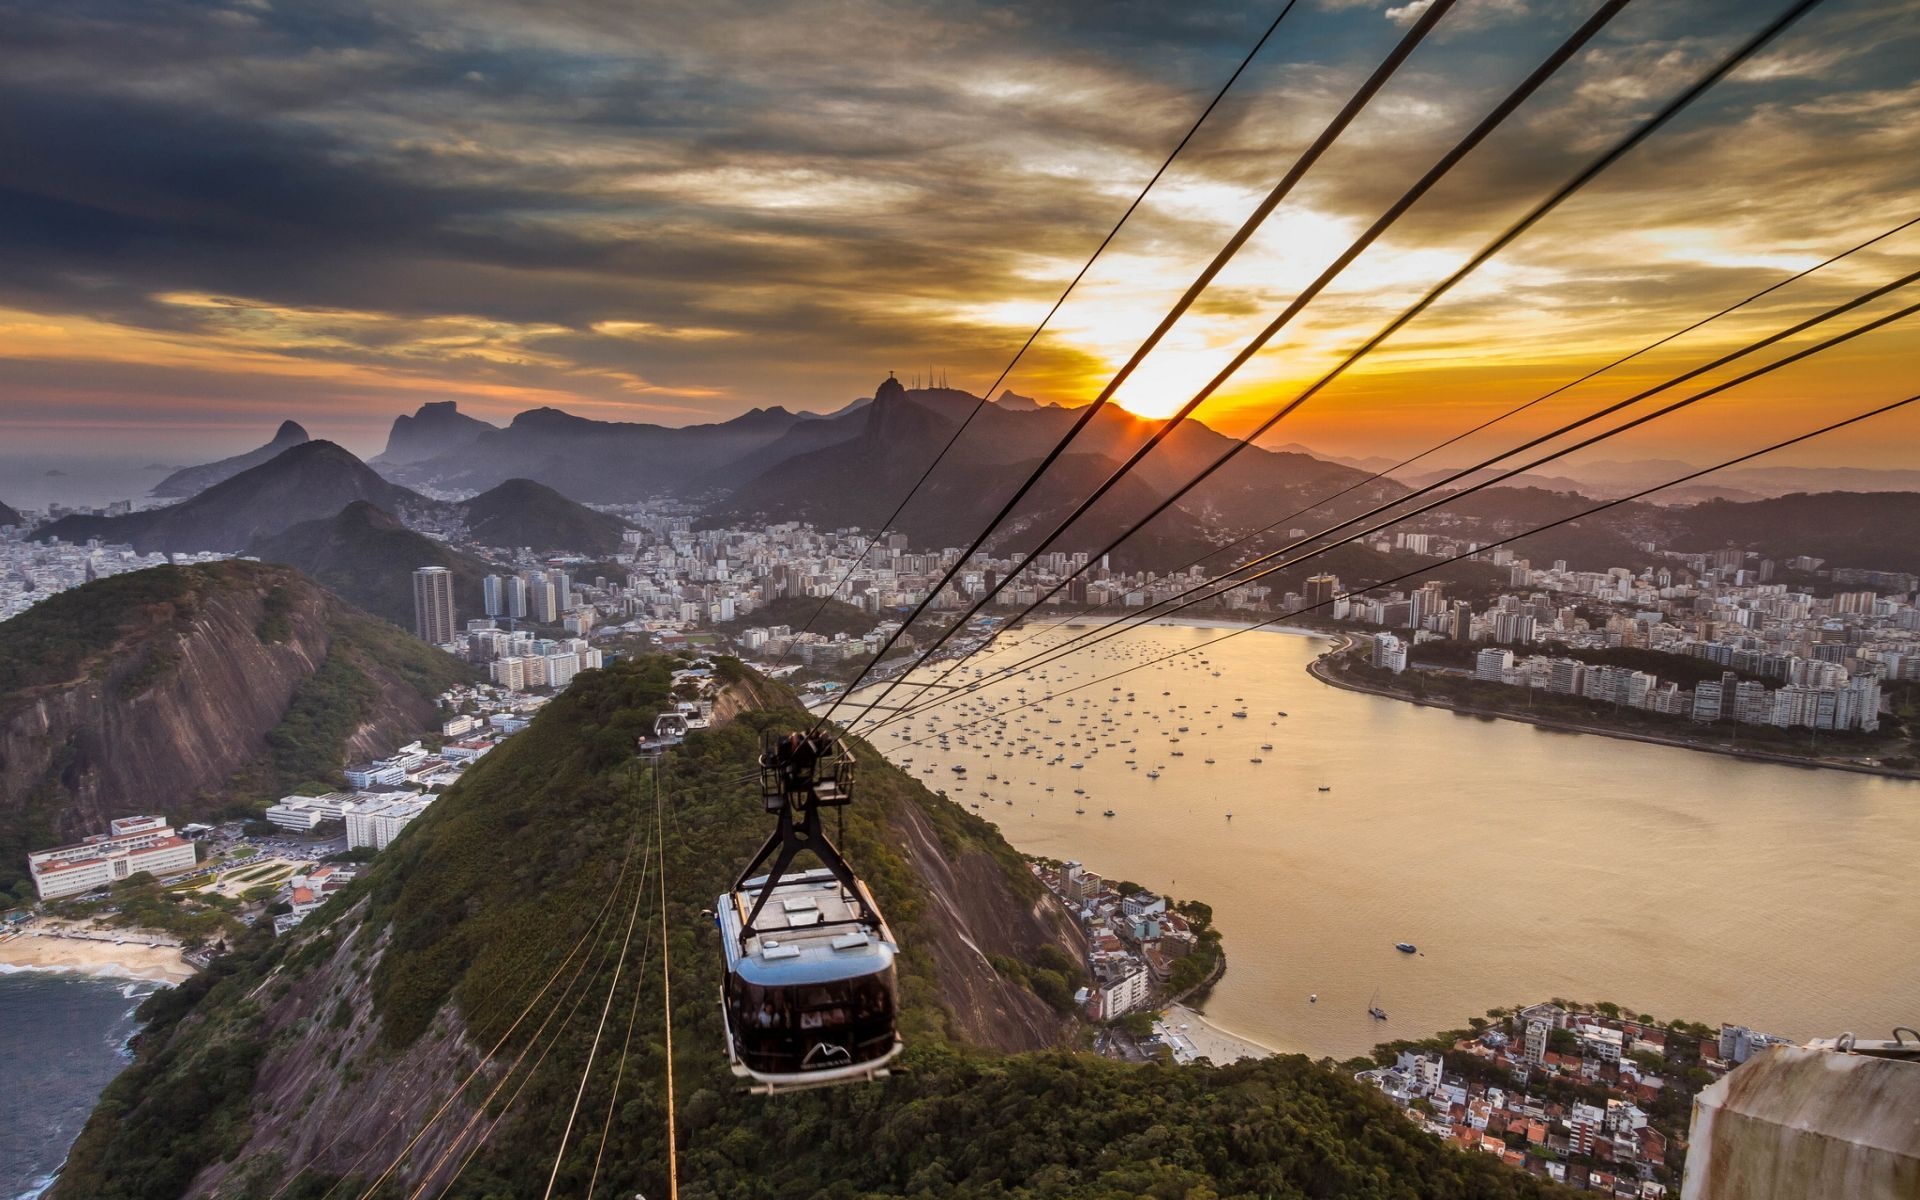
[[92, 970]]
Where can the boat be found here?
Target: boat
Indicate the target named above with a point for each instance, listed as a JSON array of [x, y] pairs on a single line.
[[1406, 947], [1153, 774], [1079, 810], [1240, 712], [1263, 746], [1313, 998], [1109, 812], [1373, 1007], [1325, 788]]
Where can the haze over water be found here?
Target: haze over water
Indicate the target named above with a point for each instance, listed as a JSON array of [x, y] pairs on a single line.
[[1524, 864]]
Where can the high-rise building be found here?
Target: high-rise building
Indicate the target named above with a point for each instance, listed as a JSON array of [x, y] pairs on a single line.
[[433, 604], [1321, 589], [493, 596], [516, 598], [543, 601]]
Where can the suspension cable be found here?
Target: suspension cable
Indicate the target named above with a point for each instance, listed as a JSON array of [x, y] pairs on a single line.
[[1516, 410], [1345, 117], [1726, 65], [1427, 567], [1434, 174], [666, 1005], [633, 1010], [613, 986], [1225, 582], [605, 907], [1045, 321]]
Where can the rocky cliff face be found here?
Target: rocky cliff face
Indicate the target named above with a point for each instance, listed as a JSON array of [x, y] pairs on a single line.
[[180, 696], [976, 916]]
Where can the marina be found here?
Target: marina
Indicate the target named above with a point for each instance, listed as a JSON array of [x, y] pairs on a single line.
[[1520, 865]]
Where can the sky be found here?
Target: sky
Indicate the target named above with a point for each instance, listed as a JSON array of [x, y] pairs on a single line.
[[215, 216]]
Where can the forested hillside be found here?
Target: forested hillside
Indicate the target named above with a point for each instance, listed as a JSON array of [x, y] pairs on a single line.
[[332, 1050], [188, 690]]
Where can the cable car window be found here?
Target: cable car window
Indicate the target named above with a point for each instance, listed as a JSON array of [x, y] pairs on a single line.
[[777, 1028]]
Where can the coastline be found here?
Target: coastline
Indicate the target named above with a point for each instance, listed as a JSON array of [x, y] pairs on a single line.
[[51, 951], [1204, 1039], [1316, 668]]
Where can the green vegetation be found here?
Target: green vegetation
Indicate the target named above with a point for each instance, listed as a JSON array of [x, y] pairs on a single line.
[[1198, 967], [326, 709], [305, 749], [485, 895], [60, 638], [275, 623], [140, 902], [184, 1101], [1051, 976], [367, 556], [798, 613]]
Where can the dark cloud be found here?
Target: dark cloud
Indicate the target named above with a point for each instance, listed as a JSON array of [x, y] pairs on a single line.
[[709, 204]]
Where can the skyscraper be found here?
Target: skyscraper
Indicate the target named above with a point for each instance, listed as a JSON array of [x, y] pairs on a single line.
[[1321, 589], [433, 604], [516, 597], [542, 603], [493, 595]]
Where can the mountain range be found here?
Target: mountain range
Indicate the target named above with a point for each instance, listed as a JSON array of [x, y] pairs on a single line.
[[321, 484], [851, 468], [307, 482]]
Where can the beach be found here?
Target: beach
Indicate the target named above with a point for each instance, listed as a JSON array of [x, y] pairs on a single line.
[[50, 946], [1193, 1036]]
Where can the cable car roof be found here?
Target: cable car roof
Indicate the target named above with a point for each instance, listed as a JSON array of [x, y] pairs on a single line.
[[807, 933]]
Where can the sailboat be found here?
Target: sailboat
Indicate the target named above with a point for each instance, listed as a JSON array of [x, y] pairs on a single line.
[[1373, 1007]]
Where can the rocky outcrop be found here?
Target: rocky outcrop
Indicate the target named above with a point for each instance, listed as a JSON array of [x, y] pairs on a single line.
[[162, 716], [191, 481], [974, 915], [437, 428], [341, 1127]]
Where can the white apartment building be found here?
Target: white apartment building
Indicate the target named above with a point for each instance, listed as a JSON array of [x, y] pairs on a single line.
[[305, 813], [376, 823], [135, 844], [1123, 992]]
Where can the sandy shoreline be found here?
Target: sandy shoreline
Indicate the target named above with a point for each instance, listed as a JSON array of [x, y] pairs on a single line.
[[35, 949], [1203, 1039]]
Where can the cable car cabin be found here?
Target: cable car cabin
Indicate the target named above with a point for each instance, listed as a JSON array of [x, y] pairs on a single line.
[[670, 726], [810, 997]]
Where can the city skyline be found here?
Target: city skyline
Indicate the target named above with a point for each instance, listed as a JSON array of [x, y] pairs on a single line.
[[344, 217]]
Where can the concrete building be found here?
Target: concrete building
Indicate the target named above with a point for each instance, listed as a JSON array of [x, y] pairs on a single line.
[[305, 813], [133, 845], [376, 823], [1122, 987], [433, 618], [1321, 589], [1831, 1120]]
